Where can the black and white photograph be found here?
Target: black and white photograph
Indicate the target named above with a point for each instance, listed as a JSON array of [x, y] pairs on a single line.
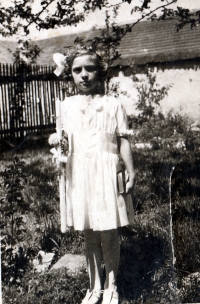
[[100, 151]]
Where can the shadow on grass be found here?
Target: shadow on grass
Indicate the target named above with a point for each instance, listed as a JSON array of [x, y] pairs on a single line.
[[142, 271], [186, 177], [30, 142]]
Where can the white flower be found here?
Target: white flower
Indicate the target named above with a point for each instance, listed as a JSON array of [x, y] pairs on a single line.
[[53, 139]]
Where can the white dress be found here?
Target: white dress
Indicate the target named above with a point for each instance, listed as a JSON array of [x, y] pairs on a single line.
[[92, 126]]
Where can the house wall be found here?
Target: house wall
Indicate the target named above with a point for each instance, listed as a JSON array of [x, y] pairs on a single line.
[[183, 95]]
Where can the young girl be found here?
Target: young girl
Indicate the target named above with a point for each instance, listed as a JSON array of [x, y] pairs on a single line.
[[96, 127]]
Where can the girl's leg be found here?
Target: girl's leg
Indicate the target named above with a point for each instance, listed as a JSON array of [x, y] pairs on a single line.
[[111, 255], [94, 258], [95, 242]]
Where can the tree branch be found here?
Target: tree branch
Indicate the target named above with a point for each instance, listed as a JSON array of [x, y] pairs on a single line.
[[147, 15], [12, 19], [34, 19]]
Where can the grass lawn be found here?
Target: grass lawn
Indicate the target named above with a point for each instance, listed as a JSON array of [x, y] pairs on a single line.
[[146, 272]]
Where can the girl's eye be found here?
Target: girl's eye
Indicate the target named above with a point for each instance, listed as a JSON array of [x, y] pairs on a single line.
[[88, 68], [77, 70], [91, 68]]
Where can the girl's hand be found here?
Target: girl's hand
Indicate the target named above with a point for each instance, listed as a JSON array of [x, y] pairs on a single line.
[[126, 154], [130, 185]]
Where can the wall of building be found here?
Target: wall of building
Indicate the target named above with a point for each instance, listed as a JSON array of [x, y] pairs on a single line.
[[183, 95]]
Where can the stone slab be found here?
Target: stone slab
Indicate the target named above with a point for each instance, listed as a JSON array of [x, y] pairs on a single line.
[[72, 262]]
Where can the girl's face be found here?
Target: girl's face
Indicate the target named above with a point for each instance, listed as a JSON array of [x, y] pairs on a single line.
[[85, 74]]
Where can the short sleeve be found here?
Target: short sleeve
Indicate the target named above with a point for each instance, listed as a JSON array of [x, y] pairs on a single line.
[[122, 121]]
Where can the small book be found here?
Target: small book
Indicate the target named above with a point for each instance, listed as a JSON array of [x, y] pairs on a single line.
[[122, 178]]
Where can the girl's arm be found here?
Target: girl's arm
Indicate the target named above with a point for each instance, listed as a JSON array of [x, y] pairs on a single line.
[[126, 154]]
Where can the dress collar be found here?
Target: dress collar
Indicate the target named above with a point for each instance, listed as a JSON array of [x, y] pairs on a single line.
[[93, 101]]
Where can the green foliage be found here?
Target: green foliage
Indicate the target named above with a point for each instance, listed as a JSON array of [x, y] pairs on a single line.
[[51, 287], [149, 97], [19, 17], [13, 210], [30, 219], [186, 198], [25, 228], [25, 53], [152, 200], [149, 123]]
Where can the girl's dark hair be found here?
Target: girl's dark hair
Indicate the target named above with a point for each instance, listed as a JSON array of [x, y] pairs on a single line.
[[81, 51]]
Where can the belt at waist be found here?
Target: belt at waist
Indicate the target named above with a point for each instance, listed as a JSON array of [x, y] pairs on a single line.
[[89, 142]]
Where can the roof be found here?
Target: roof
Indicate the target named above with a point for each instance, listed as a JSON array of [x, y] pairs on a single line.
[[5, 55], [149, 41]]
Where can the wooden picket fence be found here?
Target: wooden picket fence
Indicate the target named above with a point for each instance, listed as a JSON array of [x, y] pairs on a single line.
[[27, 99]]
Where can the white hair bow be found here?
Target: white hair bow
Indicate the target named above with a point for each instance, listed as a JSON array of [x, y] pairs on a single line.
[[60, 60]]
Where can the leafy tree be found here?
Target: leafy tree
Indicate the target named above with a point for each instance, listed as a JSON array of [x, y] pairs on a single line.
[[20, 15], [151, 124], [26, 53]]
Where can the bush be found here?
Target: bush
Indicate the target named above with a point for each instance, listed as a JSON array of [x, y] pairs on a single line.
[[13, 207], [30, 219], [50, 287]]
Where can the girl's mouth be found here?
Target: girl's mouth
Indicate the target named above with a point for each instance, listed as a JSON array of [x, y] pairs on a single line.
[[85, 83]]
